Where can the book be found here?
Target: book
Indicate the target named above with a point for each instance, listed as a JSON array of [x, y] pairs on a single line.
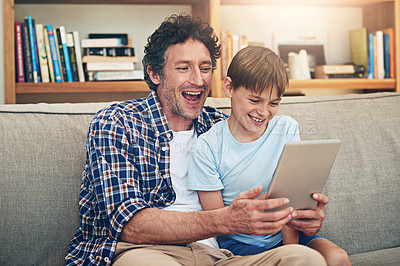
[[78, 55], [54, 53], [105, 42], [111, 66], [48, 52], [110, 51], [380, 59], [334, 69], [386, 56], [122, 36], [67, 61], [375, 54], [105, 59], [60, 52], [371, 66], [71, 52], [19, 53], [33, 45], [44, 69], [358, 47], [115, 75], [390, 32], [28, 66]]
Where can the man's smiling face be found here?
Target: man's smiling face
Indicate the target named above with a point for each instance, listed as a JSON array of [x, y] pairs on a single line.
[[187, 81]]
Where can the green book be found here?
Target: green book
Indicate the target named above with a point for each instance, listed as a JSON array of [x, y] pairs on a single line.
[[359, 47]]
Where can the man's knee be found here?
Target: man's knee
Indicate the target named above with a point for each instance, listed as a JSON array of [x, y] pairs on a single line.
[[300, 255]]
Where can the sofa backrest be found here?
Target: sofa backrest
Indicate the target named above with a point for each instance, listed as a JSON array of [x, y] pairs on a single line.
[[43, 155]]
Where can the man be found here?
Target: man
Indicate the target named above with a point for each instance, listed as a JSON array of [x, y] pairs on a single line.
[[134, 206]]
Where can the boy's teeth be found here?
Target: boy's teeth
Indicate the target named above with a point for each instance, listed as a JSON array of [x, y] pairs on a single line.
[[256, 119], [192, 93]]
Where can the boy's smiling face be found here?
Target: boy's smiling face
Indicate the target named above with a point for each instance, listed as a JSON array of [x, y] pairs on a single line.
[[251, 111]]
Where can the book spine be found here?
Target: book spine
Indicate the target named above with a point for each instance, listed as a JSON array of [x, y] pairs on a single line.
[[71, 51], [380, 61], [370, 56], [386, 55], [113, 66], [115, 75], [375, 57], [63, 36], [61, 55], [110, 52], [78, 55], [19, 52], [26, 44], [44, 69], [122, 36], [54, 54], [48, 53], [32, 40], [108, 42]]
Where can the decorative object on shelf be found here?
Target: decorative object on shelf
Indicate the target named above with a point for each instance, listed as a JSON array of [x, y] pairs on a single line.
[[298, 65]]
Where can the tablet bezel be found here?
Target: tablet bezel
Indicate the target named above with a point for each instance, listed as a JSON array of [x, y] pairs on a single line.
[[303, 169]]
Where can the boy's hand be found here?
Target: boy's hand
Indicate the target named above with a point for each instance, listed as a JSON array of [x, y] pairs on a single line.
[[309, 221], [248, 216]]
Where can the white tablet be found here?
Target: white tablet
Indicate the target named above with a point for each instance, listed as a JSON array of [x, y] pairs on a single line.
[[302, 170]]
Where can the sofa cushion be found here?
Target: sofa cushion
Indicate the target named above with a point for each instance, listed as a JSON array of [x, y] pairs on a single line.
[[383, 257], [41, 160]]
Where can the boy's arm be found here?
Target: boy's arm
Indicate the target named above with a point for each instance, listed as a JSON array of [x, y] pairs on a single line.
[[211, 200], [289, 235]]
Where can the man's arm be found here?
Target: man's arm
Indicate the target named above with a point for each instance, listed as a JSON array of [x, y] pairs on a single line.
[[309, 221], [244, 215]]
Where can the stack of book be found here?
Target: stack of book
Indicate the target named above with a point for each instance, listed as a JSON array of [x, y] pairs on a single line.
[[338, 71], [110, 56], [46, 54], [374, 50]]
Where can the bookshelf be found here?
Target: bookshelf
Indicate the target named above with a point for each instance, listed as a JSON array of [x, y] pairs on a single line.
[[377, 14]]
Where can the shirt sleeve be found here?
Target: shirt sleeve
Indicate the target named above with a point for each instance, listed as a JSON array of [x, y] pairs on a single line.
[[203, 168], [110, 193]]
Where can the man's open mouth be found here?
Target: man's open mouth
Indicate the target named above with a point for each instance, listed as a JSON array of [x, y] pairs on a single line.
[[191, 95]]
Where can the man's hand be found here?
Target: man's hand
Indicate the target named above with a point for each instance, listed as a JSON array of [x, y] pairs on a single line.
[[249, 216], [309, 221]]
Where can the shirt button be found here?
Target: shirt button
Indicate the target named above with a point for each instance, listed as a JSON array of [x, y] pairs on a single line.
[[106, 259], [164, 148]]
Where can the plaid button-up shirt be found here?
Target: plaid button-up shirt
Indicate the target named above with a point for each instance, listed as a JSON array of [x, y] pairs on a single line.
[[127, 169]]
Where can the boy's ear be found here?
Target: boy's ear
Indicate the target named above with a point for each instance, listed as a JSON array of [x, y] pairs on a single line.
[[154, 76], [227, 84]]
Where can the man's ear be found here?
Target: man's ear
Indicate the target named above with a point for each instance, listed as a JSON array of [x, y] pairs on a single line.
[[154, 76], [228, 87]]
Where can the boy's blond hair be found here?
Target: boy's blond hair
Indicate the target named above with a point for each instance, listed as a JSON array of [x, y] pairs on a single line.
[[257, 69]]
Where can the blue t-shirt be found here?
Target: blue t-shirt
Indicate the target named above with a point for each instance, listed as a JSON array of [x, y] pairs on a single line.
[[219, 162]]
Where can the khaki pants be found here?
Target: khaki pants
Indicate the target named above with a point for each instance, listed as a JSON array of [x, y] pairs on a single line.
[[199, 254]]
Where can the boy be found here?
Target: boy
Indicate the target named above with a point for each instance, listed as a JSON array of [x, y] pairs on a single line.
[[243, 151]]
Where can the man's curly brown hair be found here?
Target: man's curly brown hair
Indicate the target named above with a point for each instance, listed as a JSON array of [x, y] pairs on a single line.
[[177, 29]]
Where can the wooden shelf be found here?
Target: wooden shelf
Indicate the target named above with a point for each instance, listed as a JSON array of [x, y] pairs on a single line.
[[354, 84], [82, 87], [377, 14]]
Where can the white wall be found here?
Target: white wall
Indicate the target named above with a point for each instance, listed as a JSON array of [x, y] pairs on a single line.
[[257, 22]]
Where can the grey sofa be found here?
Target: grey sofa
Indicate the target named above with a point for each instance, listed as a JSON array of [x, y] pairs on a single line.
[[43, 154]]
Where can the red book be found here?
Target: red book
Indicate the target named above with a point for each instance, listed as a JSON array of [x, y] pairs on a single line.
[[19, 54]]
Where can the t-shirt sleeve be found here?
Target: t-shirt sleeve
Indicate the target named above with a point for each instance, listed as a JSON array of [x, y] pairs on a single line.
[[203, 167]]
